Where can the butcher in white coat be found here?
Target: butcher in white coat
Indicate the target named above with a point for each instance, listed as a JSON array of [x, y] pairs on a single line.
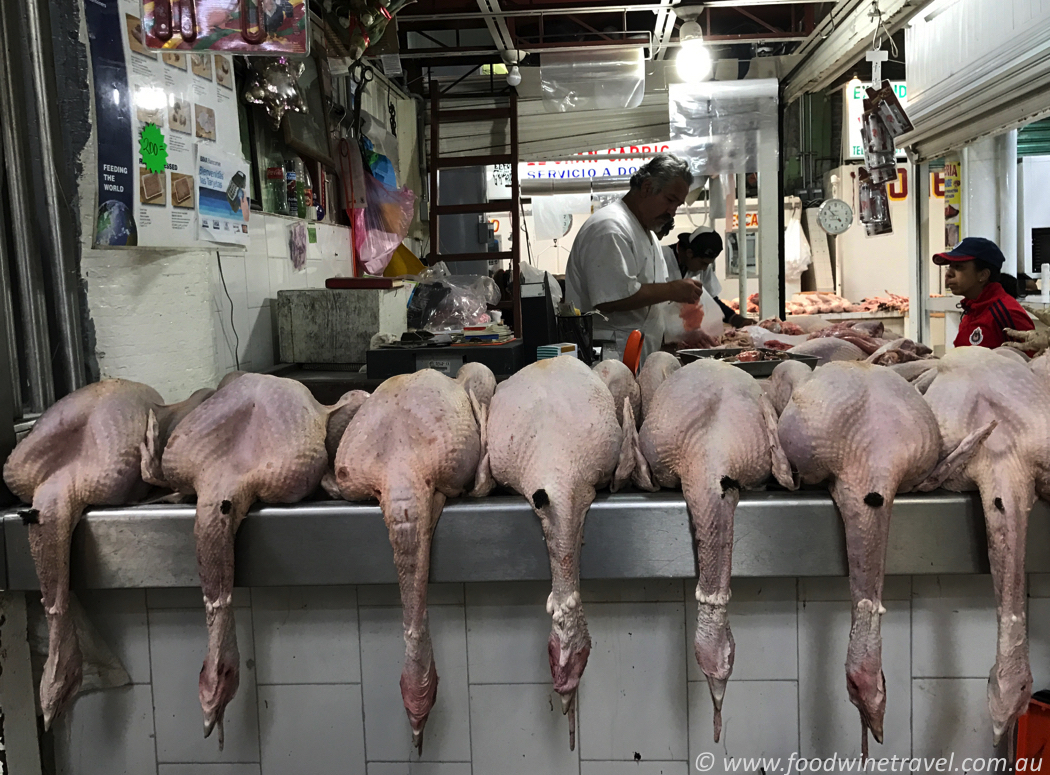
[[616, 266], [693, 257]]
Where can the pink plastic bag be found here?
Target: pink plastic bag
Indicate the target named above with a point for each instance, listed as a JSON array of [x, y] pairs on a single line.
[[381, 226]]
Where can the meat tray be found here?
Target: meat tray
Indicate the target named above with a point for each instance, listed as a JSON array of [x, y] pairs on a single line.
[[757, 369]]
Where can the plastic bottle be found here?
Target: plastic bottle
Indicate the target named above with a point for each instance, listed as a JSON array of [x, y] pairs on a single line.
[[276, 183], [300, 188], [291, 186]]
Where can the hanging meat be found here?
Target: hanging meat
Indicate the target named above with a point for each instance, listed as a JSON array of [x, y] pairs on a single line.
[[259, 438], [413, 444], [86, 450], [711, 429], [975, 386], [553, 437], [870, 434]]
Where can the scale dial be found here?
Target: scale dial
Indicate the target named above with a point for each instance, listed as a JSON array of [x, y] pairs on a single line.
[[835, 216]]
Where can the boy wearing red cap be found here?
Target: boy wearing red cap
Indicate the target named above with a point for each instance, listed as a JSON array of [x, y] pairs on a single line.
[[988, 310]]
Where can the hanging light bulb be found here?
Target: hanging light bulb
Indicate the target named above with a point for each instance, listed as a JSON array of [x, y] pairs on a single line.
[[693, 62], [513, 76]]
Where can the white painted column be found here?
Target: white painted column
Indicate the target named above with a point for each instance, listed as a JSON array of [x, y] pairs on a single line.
[[980, 193], [767, 241], [918, 321], [1006, 161], [741, 239]]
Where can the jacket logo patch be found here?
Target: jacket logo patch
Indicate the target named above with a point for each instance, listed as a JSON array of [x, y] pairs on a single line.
[[977, 336]]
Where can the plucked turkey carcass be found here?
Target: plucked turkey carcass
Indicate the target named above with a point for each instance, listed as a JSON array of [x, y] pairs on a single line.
[[782, 383], [711, 429], [657, 367], [413, 444], [553, 436], [622, 384], [975, 386], [828, 349], [870, 434], [259, 438], [86, 450]]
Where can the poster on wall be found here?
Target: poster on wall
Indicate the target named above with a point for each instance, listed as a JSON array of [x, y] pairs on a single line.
[[155, 111], [952, 202], [222, 197]]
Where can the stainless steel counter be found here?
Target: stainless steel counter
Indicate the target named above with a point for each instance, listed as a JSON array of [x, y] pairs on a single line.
[[628, 535]]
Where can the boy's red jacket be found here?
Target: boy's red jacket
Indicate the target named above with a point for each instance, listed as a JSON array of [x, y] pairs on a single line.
[[985, 317]]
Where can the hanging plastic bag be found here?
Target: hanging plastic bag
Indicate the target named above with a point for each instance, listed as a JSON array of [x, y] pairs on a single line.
[[381, 166], [383, 225], [797, 255], [693, 323]]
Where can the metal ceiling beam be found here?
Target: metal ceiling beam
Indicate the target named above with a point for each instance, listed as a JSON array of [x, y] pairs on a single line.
[[486, 55], [664, 29], [496, 22], [840, 39], [407, 16]]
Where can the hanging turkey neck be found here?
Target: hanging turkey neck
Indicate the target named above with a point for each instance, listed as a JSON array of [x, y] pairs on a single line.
[[569, 645], [50, 525], [411, 509], [1006, 518], [215, 528], [712, 511], [866, 510]]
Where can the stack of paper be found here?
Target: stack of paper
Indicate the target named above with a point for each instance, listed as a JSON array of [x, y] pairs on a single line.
[[493, 332], [554, 350]]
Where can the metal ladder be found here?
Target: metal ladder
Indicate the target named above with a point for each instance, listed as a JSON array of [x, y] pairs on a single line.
[[438, 116]]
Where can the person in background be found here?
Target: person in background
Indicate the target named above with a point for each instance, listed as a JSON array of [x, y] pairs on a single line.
[[973, 272], [693, 256], [1026, 286], [1009, 283], [616, 266]]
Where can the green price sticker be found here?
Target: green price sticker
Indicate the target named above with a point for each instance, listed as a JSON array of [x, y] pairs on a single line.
[[152, 148]]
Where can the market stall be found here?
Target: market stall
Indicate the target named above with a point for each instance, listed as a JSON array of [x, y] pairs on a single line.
[[555, 388]]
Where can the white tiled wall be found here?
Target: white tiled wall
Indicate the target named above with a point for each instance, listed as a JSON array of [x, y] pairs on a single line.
[[163, 317], [254, 276], [320, 669]]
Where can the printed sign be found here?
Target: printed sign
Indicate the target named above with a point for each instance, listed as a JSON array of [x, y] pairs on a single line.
[[610, 164], [222, 197], [952, 203], [853, 104], [154, 111]]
